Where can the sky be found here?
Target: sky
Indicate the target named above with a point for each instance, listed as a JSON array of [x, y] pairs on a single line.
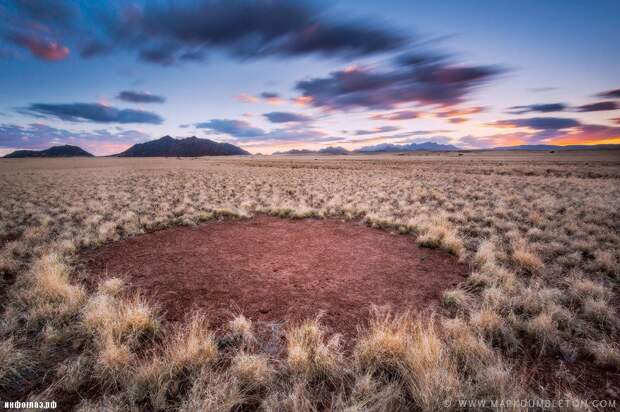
[[274, 75]]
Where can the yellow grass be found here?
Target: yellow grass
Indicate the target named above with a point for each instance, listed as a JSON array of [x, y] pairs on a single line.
[[542, 246]]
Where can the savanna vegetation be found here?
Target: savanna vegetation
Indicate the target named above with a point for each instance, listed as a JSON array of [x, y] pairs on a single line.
[[536, 318]]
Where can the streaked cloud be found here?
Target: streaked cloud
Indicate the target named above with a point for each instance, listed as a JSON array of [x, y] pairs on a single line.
[[244, 131], [580, 134], [286, 117], [399, 115], [234, 128], [246, 98], [272, 98], [598, 107], [40, 47], [589, 134], [162, 32], [41, 136], [538, 108], [423, 81], [140, 97], [538, 123], [375, 130], [91, 112], [610, 94]]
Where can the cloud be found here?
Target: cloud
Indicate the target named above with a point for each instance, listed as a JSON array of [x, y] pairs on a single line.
[[38, 26], [616, 120], [457, 120], [139, 97], [610, 94], [298, 134], [589, 134], [271, 98], [538, 123], [382, 129], [431, 138], [91, 112], [162, 32], [582, 134], [286, 117], [269, 95], [420, 81], [193, 56], [598, 106], [559, 107], [426, 132], [246, 98], [93, 48], [496, 140], [40, 47], [459, 112], [399, 115], [244, 131], [162, 54], [234, 128], [539, 108], [542, 89], [59, 12], [39, 136]]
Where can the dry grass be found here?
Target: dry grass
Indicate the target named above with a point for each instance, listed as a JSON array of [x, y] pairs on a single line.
[[12, 361], [539, 231], [311, 354]]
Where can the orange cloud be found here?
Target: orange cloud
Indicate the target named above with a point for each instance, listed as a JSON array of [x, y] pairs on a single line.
[[246, 98], [458, 119], [274, 101], [465, 111], [589, 135], [497, 140], [302, 100], [399, 115]]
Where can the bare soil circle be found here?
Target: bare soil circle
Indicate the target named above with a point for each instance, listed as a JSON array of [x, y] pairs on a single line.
[[279, 270]]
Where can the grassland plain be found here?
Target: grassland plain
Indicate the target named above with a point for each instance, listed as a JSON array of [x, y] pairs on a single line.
[[536, 318]]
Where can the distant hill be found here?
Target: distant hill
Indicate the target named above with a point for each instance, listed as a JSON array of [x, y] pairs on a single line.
[[336, 150], [188, 147], [545, 147], [296, 152], [54, 151], [332, 150], [412, 147]]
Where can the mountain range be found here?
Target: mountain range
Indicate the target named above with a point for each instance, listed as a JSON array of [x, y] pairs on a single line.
[[333, 150], [380, 148], [411, 147], [195, 147], [54, 151]]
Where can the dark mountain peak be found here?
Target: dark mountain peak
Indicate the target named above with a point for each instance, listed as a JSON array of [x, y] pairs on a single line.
[[54, 151], [187, 147]]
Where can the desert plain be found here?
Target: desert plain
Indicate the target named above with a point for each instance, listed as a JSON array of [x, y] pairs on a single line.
[[361, 282]]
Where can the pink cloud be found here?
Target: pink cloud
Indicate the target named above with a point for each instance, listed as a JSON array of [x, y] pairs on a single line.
[[400, 115], [42, 48], [246, 98]]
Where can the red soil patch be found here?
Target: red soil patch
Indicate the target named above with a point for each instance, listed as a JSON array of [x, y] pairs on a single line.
[[278, 270]]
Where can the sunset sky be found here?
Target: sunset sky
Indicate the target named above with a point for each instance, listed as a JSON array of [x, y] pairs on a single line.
[[275, 75]]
